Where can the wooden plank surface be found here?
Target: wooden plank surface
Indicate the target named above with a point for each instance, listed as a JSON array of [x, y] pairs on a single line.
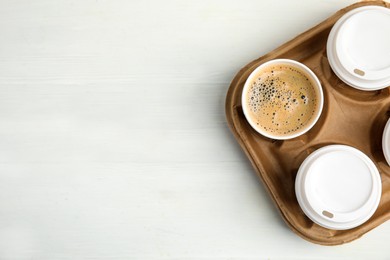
[[113, 139]]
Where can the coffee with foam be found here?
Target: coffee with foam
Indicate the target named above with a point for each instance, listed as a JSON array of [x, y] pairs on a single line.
[[281, 99]]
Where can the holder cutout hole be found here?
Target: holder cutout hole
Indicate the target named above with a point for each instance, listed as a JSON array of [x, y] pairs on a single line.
[[359, 72], [327, 214]]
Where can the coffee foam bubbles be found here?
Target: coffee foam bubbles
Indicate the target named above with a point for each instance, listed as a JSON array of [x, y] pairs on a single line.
[[282, 99]]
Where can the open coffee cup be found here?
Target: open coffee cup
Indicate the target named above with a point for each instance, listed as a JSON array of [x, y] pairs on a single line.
[[282, 99]]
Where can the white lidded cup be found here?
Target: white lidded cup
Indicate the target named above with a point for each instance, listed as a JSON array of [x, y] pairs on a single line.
[[358, 48], [308, 74], [338, 187], [386, 142]]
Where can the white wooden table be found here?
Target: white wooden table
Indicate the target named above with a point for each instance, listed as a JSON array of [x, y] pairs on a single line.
[[113, 138]]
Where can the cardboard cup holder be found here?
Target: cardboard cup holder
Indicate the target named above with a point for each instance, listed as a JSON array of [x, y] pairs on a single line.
[[350, 117]]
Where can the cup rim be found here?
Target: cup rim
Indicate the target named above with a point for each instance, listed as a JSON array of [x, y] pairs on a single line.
[[309, 73]]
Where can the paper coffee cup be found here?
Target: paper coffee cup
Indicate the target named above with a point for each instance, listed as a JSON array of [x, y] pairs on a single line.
[[386, 142], [358, 48], [290, 97], [338, 187]]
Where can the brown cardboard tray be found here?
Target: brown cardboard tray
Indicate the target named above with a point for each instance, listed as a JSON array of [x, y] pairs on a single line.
[[351, 117]]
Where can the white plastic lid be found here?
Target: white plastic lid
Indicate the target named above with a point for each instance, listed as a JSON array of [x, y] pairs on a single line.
[[386, 142], [358, 48], [338, 187]]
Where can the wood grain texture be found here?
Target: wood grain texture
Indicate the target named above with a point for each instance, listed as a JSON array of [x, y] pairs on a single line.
[[113, 139]]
